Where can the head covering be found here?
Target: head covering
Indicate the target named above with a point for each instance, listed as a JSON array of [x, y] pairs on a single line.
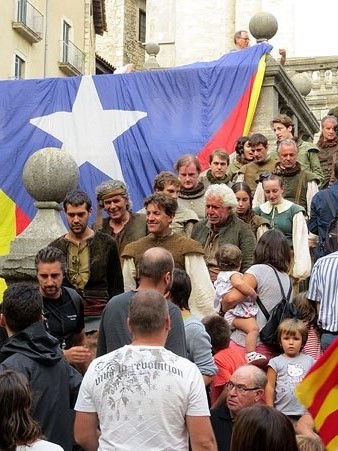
[[104, 191]]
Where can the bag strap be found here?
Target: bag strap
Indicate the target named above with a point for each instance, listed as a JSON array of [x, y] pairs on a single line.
[[263, 309], [281, 286], [329, 202]]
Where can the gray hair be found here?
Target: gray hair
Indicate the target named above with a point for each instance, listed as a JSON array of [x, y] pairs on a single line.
[[110, 188], [225, 193], [287, 142]]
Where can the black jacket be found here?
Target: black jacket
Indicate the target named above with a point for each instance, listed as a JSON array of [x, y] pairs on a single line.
[[54, 383]]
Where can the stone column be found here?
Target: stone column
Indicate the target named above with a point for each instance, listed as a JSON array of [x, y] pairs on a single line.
[[47, 175]]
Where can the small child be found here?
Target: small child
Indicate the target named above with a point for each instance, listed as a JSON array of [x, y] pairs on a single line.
[[229, 259], [287, 370], [226, 357], [306, 443], [308, 313]]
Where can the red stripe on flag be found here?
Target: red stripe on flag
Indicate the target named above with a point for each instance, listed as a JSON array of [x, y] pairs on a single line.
[[231, 130], [322, 392], [328, 431], [22, 220]]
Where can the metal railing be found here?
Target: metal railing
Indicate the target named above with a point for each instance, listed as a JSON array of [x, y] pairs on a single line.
[[30, 16], [71, 54]]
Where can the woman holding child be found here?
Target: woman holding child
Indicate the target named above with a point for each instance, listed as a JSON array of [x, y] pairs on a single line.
[[272, 259]]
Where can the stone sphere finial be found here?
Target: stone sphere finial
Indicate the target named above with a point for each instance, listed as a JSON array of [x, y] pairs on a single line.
[[49, 174], [302, 83], [152, 48], [263, 26]]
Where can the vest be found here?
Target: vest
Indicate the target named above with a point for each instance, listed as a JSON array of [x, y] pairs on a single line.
[[179, 246]]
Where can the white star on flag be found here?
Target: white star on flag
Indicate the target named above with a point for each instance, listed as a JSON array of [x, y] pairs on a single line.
[[88, 131]]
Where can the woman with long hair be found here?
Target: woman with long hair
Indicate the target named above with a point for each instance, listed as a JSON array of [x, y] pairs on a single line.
[[272, 260], [244, 155], [18, 430], [245, 212], [263, 428]]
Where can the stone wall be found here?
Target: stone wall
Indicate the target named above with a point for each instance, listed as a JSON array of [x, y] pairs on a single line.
[[119, 45]]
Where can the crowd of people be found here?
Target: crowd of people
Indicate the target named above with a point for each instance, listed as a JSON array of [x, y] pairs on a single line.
[[143, 330]]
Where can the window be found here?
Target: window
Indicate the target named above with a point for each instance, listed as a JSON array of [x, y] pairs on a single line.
[[19, 67], [142, 25], [65, 41], [22, 11]]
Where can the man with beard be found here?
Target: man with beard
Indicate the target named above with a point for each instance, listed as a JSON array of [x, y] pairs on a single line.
[[222, 226], [36, 354], [62, 307], [121, 223], [93, 264]]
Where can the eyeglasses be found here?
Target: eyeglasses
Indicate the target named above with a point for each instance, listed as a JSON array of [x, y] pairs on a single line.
[[239, 388], [245, 39]]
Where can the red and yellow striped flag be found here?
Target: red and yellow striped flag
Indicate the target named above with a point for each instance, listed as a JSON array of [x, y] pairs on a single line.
[[318, 392]]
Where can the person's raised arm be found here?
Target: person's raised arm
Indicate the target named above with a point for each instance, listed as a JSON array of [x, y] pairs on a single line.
[[238, 282], [234, 296]]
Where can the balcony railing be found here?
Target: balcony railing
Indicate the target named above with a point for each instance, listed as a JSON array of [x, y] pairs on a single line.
[[29, 22], [72, 59]]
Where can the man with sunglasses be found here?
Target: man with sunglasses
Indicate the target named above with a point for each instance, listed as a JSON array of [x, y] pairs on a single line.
[[245, 388]]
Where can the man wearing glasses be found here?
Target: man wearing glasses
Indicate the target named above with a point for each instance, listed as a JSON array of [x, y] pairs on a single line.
[[245, 388], [241, 40]]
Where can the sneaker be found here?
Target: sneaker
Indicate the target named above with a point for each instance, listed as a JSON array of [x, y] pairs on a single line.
[[255, 358]]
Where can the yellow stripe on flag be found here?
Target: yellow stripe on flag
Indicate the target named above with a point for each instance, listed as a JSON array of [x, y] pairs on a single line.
[[7, 229], [329, 406], [256, 90], [333, 445]]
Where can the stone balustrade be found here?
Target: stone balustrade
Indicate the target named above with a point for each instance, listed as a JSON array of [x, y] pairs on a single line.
[[323, 74]]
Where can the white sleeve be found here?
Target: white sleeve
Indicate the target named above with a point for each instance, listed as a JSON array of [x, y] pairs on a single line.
[[239, 177], [302, 259], [129, 274], [261, 229], [85, 402], [197, 398], [312, 189], [259, 197], [202, 296]]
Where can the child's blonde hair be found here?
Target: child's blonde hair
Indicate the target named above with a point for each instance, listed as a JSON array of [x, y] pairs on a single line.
[[229, 257], [306, 443], [290, 327]]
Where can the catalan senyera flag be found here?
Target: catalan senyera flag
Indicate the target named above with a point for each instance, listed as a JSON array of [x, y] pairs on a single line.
[[126, 126], [318, 392]]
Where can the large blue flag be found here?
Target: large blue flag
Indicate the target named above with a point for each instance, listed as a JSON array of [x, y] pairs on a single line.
[[128, 127]]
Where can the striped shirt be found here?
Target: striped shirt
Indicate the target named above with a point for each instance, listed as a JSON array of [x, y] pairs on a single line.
[[323, 288]]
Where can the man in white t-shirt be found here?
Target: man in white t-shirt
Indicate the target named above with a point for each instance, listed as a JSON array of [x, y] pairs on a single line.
[[143, 396]]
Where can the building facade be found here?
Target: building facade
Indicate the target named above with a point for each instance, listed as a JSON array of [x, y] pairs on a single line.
[[49, 38], [126, 33]]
